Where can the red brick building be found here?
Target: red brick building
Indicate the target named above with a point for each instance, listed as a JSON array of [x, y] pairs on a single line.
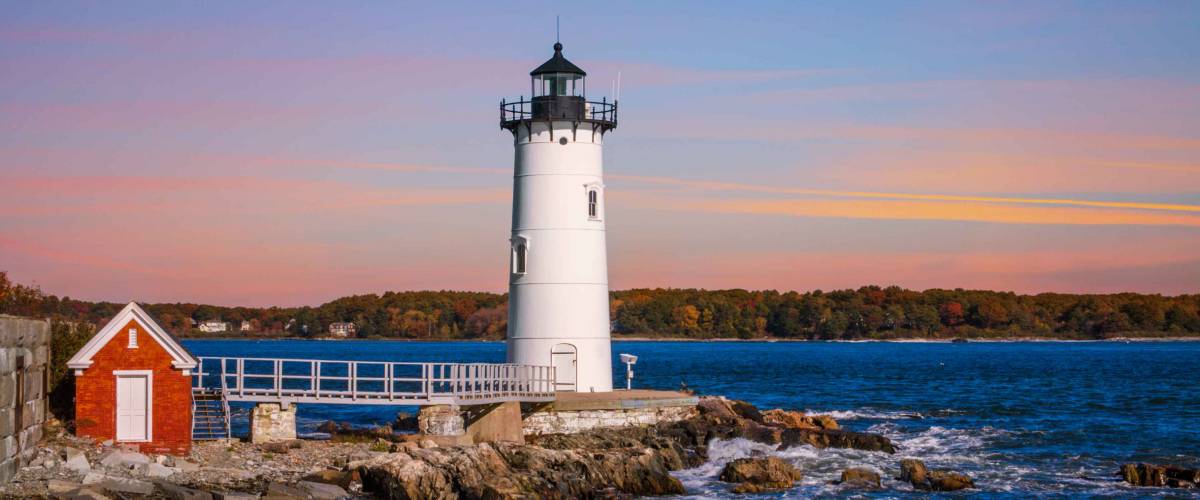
[[133, 385]]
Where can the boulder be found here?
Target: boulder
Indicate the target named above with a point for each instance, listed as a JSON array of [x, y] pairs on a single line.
[[76, 460], [123, 459], [949, 481], [118, 484], [830, 438], [322, 491], [157, 470], [787, 419], [176, 492], [1160, 475], [186, 466], [281, 491], [760, 474], [797, 420], [860, 477], [507, 470], [915, 472], [234, 495], [59, 487], [329, 476]]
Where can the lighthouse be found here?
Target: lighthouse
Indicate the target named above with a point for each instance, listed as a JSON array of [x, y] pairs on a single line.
[[558, 269]]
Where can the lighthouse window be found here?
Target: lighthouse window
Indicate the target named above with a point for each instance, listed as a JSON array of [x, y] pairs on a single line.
[[592, 209], [595, 203], [519, 259]]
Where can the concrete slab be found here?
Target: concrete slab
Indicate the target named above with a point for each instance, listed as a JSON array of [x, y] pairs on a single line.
[[620, 400]]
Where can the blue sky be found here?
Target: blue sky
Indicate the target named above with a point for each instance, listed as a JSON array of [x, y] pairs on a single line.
[[287, 152]]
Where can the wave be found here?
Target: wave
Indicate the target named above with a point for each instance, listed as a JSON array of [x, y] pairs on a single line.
[[868, 414]]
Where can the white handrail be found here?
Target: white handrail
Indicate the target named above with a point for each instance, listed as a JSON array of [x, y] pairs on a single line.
[[376, 382]]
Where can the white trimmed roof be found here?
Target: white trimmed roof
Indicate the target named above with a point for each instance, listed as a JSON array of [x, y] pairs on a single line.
[[181, 358]]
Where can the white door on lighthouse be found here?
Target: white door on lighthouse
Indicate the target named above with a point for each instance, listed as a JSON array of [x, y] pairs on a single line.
[[133, 406], [562, 357]]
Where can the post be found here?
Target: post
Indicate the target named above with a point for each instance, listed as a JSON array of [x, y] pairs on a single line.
[[272, 422]]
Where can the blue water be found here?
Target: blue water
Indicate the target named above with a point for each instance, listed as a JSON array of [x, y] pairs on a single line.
[[1037, 418]]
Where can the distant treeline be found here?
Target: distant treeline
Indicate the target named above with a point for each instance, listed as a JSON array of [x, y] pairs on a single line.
[[866, 313]]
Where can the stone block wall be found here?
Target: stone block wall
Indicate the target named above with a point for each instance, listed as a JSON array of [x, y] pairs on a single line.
[[570, 422], [24, 356]]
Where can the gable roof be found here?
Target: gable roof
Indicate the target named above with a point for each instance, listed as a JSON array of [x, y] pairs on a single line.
[[180, 357]]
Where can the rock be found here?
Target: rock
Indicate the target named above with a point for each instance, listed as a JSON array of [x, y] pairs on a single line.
[[118, 484], [123, 458], [233, 495], [825, 422], [156, 470], [428, 443], [829, 438], [281, 491], [913, 471], [177, 492], [509, 470], [86, 494], [860, 477], [760, 474], [186, 466], [275, 447], [60, 487], [949, 481], [788, 419], [747, 411], [1159, 475], [717, 407], [341, 478], [76, 460], [323, 491]]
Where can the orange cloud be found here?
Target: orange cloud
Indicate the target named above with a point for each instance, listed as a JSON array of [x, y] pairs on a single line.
[[734, 186], [918, 210]]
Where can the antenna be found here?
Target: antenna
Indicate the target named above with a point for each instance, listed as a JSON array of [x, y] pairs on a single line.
[[556, 30], [618, 92]]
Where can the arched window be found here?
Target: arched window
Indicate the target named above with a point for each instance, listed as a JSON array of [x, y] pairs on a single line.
[[595, 201], [519, 258]]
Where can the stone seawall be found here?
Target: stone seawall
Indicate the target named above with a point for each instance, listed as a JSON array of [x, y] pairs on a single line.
[[574, 421], [24, 355]]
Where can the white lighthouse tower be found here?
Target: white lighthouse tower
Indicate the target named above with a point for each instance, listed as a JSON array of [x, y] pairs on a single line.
[[558, 270]]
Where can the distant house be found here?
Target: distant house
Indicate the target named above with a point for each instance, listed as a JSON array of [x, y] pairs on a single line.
[[341, 329], [246, 326], [213, 326]]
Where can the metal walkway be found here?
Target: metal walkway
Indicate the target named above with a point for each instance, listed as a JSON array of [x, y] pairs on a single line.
[[267, 380]]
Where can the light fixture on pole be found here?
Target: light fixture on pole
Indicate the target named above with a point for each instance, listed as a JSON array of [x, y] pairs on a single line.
[[629, 361]]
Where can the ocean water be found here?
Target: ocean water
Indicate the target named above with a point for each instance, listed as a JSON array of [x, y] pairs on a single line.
[[1023, 419]]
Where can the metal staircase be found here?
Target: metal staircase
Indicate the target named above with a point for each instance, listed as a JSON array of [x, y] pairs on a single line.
[[210, 414]]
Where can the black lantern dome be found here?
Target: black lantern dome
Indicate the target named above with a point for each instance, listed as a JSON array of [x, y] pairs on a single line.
[[558, 92], [557, 64]]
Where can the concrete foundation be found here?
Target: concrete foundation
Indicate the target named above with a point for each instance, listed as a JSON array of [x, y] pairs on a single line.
[[441, 420], [272, 422], [492, 423], [573, 412]]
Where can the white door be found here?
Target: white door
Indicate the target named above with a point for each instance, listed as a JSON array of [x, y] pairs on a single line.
[[133, 407], [562, 357]]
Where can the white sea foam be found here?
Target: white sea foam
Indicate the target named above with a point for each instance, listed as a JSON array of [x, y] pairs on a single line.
[[867, 413]]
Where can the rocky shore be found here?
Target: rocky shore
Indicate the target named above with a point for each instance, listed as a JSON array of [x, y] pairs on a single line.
[[603, 463]]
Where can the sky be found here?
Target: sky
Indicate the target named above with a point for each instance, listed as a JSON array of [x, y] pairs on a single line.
[[288, 153]]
